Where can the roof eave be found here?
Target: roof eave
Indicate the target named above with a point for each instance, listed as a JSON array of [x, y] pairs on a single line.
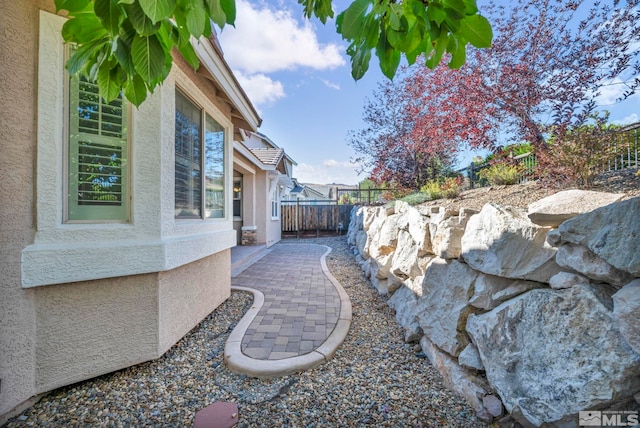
[[240, 148], [214, 62]]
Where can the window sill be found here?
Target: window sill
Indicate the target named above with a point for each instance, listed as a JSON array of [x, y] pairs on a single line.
[[46, 264]]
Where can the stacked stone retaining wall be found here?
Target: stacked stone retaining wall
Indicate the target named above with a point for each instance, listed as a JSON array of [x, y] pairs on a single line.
[[531, 316]]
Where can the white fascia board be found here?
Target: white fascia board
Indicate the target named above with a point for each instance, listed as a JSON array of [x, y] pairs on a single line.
[[238, 163], [266, 139], [220, 71], [290, 159]]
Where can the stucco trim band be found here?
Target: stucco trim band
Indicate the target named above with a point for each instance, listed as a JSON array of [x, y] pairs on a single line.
[[60, 263]]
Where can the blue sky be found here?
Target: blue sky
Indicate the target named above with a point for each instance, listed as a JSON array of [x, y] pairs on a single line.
[[298, 76]]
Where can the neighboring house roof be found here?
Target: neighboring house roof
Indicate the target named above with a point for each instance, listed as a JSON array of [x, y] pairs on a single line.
[[263, 152], [303, 190], [268, 156], [315, 193]]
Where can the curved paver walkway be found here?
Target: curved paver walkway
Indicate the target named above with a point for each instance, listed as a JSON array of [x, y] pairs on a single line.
[[299, 317]]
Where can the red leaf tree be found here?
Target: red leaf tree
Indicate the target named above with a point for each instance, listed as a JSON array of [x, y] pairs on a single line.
[[548, 62], [415, 128], [542, 76]]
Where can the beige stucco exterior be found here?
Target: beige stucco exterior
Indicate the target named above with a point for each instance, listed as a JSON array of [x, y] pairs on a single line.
[[80, 300], [260, 177]]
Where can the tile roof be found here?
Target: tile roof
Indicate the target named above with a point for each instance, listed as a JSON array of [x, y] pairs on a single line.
[[268, 156]]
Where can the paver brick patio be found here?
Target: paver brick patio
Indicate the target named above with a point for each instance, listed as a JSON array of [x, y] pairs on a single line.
[[301, 305]]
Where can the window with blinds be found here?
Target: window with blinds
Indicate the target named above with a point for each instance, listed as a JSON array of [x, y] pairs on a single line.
[[98, 174]]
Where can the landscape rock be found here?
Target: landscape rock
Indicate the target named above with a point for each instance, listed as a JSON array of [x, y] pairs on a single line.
[[567, 280], [493, 405], [458, 379], [470, 358], [405, 303], [446, 230], [559, 207], [490, 291], [553, 238], [611, 232], [502, 241], [355, 225], [439, 214], [360, 240], [415, 285], [444, 305], [586, 262], [385, 240], [405, 259], [626, 313], [370, 215], [551, 353], [416, 224]]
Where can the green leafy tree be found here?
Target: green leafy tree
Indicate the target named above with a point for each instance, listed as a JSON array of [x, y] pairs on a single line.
[[411, 28], [126, 44]]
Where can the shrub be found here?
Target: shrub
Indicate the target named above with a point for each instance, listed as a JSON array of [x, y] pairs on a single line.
[[416, 198], [432, 189], [449, 188], [578, 154], [502, 173], [507, 152]]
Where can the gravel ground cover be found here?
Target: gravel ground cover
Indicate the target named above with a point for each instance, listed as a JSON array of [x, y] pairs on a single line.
[[374, 379]]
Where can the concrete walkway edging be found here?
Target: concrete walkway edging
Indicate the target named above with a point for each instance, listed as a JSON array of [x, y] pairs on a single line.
[[237, 361]]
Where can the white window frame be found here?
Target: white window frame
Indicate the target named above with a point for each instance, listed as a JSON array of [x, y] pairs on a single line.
[[152, 241], [204, 114], [275, 203], [95, 214]]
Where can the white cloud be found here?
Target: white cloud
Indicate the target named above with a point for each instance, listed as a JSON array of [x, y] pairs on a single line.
[[344, 164], [632, 118], [265, 41], [331, 85], [261, 89], [610, 93], [331, 171]]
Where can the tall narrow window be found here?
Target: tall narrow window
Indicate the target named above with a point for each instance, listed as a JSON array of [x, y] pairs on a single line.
[[275, 203], [98, 173], [191, 143], [188, 143], [237, 197], [214, 169]]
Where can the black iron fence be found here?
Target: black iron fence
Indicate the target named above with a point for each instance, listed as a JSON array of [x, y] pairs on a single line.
[[622, 152], [357, 196]]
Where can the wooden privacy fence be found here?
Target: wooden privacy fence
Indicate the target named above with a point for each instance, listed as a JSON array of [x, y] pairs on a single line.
[[306, 219]]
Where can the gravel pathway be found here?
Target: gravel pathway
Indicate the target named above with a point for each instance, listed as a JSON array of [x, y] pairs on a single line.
[[374, 379]]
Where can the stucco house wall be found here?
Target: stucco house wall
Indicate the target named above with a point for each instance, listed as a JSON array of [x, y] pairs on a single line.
[[80, 300], [264, 167], [18, 41]]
